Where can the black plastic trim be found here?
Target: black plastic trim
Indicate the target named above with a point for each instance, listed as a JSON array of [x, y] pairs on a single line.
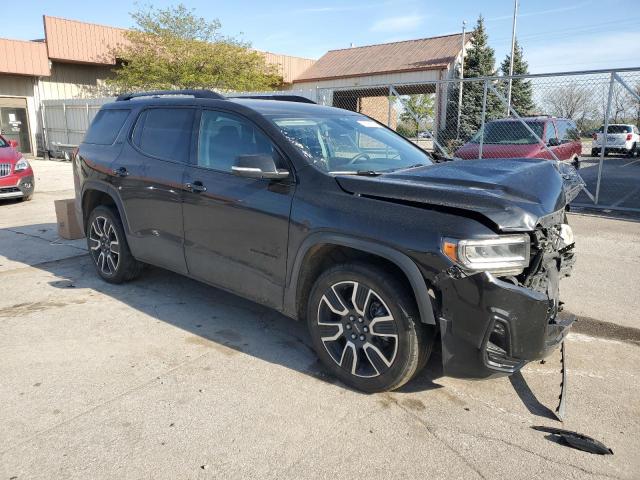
[[113, 193], [408, 267]]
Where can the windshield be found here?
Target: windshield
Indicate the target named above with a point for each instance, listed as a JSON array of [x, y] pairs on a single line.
[[350, 144], [3, 143], [510, 133]]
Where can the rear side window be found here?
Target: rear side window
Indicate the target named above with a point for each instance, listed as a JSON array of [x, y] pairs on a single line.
[[105, 127], [165, 133], [617, 129], [567, 131]]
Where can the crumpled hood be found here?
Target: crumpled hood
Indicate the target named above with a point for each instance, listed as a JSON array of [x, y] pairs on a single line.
[[514, 194]]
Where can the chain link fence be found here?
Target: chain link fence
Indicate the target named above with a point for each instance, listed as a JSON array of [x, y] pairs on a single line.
[[550, 116], [556, 117]]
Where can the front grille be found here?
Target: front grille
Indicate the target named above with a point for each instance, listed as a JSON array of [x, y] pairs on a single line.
[[9, 190], [5, 169]]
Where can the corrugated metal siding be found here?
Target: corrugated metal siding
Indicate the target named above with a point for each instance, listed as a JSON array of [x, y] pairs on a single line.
[[74, 81], [289, 67], [23, 58], [73, 41]]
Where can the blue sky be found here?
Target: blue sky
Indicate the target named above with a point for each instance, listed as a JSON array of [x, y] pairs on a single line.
[[556, 35]]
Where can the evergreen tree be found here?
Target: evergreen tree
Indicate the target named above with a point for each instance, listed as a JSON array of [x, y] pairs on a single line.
[[479, 62], [521, 90]]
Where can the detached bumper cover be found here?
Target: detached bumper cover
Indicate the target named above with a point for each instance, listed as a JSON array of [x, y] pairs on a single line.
[[493, 328]]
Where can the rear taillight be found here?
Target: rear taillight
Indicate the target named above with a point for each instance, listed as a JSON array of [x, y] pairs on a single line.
[[629, 136], [594, 136]]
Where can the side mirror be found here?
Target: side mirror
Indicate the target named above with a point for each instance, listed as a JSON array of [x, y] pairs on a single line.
[[258, 166], [553, 142], [13, 143]]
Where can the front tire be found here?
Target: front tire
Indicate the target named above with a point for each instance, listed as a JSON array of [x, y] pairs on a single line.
[[366, 329], [108, 247]]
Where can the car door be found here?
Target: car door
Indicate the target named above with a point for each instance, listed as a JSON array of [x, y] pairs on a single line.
[[236, 228], [160, 147]]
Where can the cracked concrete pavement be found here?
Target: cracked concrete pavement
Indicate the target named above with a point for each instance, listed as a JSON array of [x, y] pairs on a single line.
[[168, 378]]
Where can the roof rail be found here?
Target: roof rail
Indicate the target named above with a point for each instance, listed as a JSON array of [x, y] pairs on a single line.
[[160, 93], [282, 98]]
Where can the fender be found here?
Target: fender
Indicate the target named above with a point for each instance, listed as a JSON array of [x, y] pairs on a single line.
[[113, 193], [404, 263]]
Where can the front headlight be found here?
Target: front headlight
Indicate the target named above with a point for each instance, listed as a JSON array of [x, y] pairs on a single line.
[[507, 255], [21, 164]]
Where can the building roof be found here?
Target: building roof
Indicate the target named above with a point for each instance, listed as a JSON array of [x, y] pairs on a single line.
[[408, 56], [81, 42], [23, 58], [72, 41]]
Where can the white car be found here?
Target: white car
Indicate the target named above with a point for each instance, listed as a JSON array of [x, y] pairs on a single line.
[[621, 138]]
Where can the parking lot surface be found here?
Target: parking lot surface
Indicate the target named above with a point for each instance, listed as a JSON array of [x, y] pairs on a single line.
[[620, 186], [169, 378]]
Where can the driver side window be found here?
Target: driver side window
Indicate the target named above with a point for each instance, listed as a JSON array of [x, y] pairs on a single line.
[[225, 136]]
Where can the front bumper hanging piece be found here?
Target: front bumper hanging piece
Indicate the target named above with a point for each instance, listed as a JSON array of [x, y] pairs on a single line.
[[561, 408]]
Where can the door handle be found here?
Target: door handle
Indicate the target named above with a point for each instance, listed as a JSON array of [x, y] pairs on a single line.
[[195, 187], [120, 172]]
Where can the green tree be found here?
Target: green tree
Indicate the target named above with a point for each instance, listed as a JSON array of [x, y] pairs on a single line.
[[479, 62], [521, 90], [418, 109], [174, 48]]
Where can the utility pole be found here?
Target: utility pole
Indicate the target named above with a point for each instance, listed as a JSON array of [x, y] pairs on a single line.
[[464, 25], [513, 47]]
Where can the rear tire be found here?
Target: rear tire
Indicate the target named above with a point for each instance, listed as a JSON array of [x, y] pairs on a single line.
[[366, 329], [108, 247]]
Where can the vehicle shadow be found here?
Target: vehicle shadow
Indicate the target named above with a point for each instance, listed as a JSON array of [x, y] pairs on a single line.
[[529, 398], [213, 318]]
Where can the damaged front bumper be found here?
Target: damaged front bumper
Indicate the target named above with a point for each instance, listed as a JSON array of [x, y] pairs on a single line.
[[490, 327]]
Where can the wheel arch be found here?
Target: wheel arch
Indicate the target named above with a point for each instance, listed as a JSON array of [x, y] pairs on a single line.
[[94, 194], [311, 260]]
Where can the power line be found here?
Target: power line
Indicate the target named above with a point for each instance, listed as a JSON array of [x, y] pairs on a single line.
[[603, 26]]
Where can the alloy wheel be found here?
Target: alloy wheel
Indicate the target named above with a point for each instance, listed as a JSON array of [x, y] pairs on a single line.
[[104, 245], [357, 329]]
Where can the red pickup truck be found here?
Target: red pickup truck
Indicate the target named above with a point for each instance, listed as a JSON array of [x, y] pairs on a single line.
[[509, 138]]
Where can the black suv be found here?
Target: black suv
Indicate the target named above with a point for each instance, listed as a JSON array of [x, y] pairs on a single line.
[[332, 218]]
